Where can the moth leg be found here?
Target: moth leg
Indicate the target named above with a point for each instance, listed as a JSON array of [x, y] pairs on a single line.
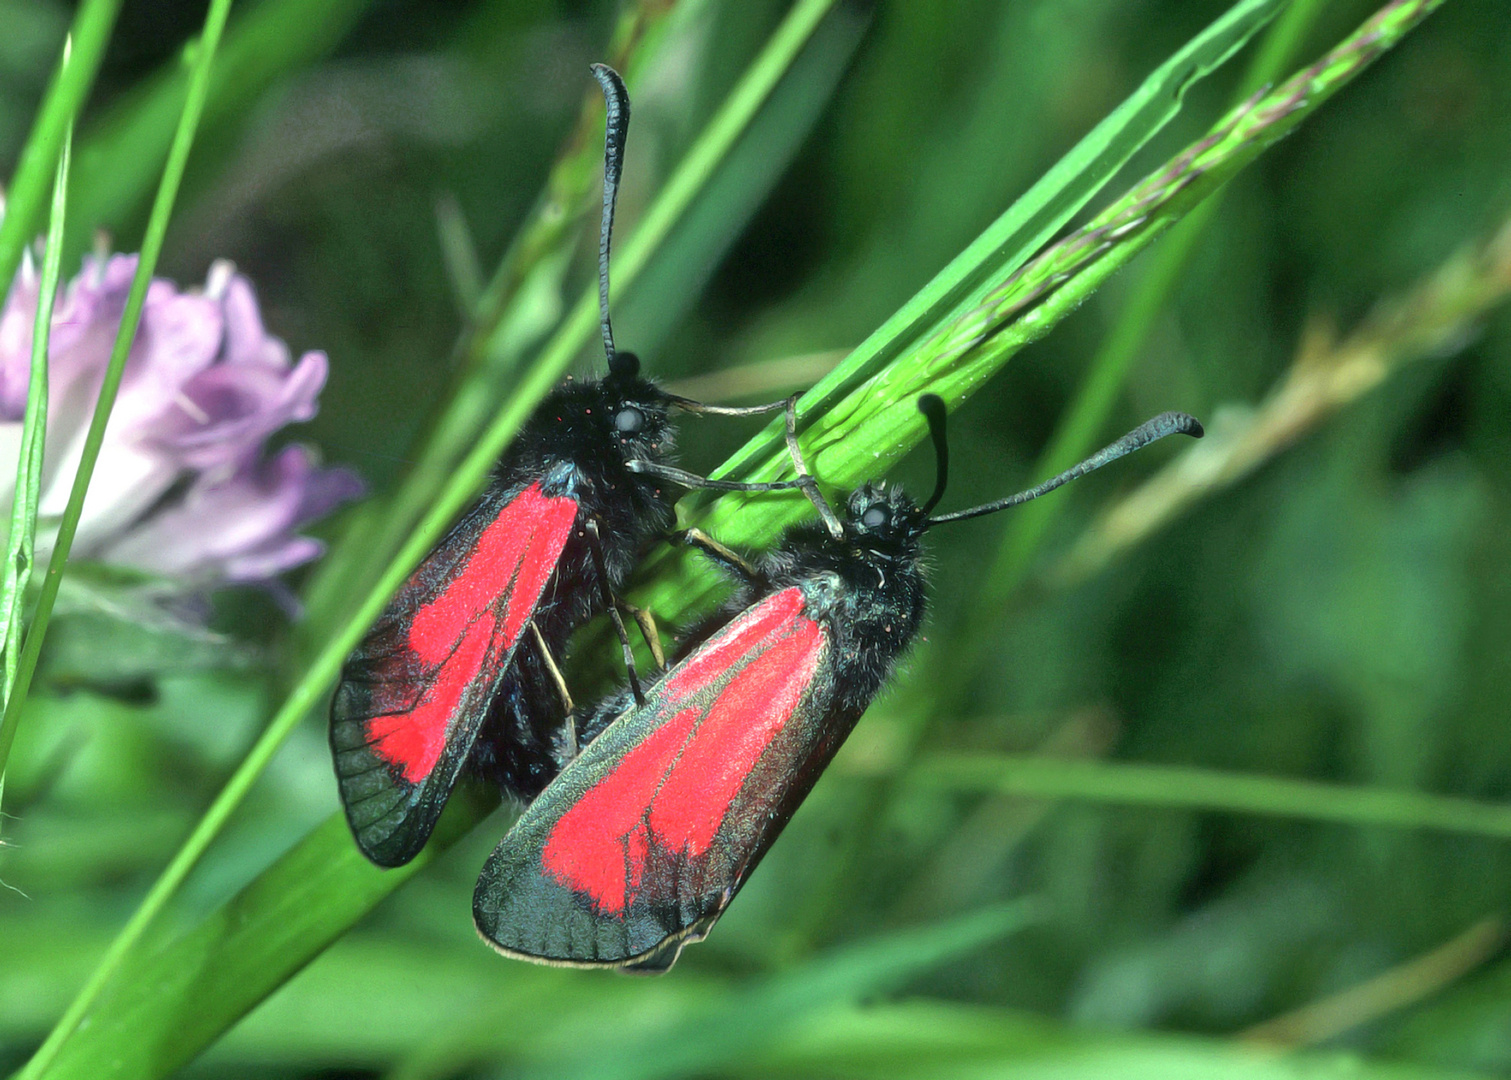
[[683, 478], [805, 480], [648, 630], [689, 405], [551, 668], [725, 557], [595, 550]]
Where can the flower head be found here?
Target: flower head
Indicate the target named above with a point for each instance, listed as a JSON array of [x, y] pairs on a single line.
[[182, 487]]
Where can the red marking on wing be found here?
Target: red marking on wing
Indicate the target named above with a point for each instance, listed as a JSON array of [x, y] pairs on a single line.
[[414, 740], [515, 553], [692, 803], [676, 787], [475, 620], [737, 639], [600, 844]]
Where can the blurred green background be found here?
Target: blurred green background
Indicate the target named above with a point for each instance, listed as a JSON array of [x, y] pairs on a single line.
[[1344, 614]]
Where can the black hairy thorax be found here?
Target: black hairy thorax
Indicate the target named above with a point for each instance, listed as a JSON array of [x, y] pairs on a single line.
[[868, 586]]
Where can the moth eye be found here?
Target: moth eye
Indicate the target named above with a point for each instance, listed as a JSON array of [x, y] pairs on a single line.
[[874, 518], [629, 420]]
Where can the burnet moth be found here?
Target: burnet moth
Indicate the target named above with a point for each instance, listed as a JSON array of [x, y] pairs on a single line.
[[640, 843], [459, 672]]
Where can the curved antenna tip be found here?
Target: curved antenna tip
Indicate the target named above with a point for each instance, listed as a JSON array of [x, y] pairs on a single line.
[[624, 364], [1189, 425], [932, 407], [1171, 423]]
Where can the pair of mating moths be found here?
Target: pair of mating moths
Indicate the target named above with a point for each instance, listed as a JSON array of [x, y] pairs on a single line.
[[649, 810]]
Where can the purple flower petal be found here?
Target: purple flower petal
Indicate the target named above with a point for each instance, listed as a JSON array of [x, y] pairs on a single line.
[[204, 386], [227, 410], [239, 522], [246, 340], [16, 321], [178, 339], [272, 558]]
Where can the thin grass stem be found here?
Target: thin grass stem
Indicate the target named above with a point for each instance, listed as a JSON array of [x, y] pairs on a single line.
[[152, 245], [1177, 787], [1437, 316], [27, 196], [20, 550]]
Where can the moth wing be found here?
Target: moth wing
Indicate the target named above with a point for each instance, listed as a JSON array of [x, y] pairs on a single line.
[[414, 694], [640, 843]]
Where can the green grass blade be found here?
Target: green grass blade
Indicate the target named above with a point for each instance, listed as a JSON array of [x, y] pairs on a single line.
[[20, 548], [923, 1040], [165, 1006], [1037, 215], [1181, 787], [872, 427], [27, 194], [1085, 418], [152, 245], [714, 1040]]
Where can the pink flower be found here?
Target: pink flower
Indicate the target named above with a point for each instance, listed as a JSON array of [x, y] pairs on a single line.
[[181, 488]]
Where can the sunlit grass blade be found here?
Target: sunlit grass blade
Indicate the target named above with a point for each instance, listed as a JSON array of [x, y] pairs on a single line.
[[1036, 216], [877, 423], [1085, 418], [20, 548], [152, 246], [1189, 788], [26, 196]]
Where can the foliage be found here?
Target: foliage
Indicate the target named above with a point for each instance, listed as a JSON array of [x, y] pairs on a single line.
[[1214, 773]]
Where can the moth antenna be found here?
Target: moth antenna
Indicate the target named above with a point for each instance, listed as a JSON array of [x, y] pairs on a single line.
[[1170, 423], [616, 130], [932, 407]]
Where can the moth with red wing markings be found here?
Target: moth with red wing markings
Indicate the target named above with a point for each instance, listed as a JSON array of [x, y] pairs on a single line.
[[459, 672], [641, 842], [453, 674]]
